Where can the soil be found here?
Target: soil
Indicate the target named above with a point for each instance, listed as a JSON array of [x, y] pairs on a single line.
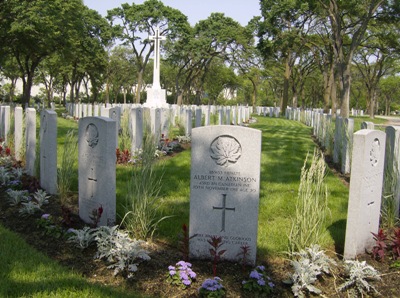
[[151, 276]]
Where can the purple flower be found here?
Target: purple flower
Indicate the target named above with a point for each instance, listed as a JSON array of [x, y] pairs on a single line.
[[192, 274], [271, 284], [171, 268], [71, 230], [172, 272], [255, 274], [261, 282], [186, 282], [262, 268], [46, 216], [183, 275]]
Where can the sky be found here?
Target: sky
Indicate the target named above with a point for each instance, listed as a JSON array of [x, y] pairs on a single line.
[[196, 10]]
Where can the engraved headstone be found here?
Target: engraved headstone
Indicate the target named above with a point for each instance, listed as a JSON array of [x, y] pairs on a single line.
[[368, 159], [48, 151], [224, 190], [97, 170]]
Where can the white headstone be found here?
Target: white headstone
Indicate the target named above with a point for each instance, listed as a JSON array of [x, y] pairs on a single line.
[[392, 166], [368, 158], [97, 169], [18, 133], [155, 122], [198, 117], [224, 184], [48, 151], [30, 141], [337, 140], [347, 143], [136, 128], [6, 122]]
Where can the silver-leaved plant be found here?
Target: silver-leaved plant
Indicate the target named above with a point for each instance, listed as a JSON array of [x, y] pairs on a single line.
[[359, 275], [15, 197], [119, 249], [82, 238], [308, 264]]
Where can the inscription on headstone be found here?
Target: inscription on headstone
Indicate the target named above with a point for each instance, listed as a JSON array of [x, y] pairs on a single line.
[[224, 198]]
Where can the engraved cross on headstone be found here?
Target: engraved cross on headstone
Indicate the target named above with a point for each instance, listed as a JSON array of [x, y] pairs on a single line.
[[92, 180], [156, 73], [223, 208]]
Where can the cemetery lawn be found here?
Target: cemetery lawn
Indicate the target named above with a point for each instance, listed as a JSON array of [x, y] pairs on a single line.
[[38, 265]]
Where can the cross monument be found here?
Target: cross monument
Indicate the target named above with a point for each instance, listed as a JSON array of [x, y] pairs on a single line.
[[156, 97]]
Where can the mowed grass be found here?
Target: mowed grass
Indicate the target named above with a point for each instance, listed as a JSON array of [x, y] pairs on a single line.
[[25, 272]]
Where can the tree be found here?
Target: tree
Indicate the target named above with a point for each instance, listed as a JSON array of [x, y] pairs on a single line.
[[134, 23], [377, 58], [348, 23], [282, 31], [219, 78], [390, 93], [217, 37], [120, 68], [33, 30]]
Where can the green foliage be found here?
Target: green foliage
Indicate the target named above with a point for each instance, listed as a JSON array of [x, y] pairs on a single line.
[[311, 206], [66, 168], [142, 196], [124, 139]]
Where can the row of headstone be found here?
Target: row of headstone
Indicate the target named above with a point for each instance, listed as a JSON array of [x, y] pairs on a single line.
[[97, 142], [161, 119], [374, 166], [270, 111]]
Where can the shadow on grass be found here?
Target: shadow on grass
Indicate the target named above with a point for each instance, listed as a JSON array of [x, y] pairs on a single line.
[[338, 232], [26, 272]]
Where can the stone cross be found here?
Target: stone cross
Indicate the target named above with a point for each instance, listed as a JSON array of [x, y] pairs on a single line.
[[156, 73], [223, 208]]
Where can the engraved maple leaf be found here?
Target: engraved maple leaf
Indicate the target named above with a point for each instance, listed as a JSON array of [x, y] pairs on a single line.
[[225, 150]]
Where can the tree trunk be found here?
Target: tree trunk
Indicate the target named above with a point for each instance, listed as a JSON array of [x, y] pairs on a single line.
[[139, 85], [285, 95], [27, 87]]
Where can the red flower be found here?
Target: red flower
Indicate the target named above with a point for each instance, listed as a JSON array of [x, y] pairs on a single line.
[[8, 151], [100, 210]]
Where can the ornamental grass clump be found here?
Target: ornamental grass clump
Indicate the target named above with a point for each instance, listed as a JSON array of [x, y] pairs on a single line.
[[142, 200], [66, 169], [308, 224], [181, 274], [258, 283], [212, 288]]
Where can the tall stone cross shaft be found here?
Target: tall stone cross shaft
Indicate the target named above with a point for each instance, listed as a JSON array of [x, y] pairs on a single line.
[[156, 73]]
